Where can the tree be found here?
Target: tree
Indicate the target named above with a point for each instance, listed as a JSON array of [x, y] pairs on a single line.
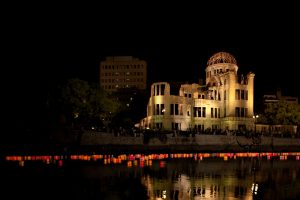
[[133, 107], [75, 97], [281, 113], [86, 103]]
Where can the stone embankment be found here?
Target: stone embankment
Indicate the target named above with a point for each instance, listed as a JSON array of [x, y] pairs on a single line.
[[207, 143]]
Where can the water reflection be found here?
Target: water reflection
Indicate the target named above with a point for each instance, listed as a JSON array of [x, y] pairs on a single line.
[[158, 176], [245, 178]]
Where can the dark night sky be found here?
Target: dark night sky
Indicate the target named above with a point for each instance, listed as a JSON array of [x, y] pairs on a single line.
[[46, 46]]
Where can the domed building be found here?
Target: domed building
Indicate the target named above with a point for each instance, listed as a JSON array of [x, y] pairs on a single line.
[[225, 102]]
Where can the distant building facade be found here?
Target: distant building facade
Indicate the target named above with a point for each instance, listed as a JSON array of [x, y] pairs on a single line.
[[275, 98], [119, 72], [225, 102]]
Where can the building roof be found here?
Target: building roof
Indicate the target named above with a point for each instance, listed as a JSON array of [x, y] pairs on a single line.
[[221, 57]]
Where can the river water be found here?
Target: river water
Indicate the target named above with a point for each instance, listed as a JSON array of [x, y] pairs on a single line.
[[152, 176]]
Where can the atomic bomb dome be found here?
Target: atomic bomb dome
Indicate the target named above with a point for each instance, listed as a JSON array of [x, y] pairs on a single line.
[[221, 57], [225, 102]]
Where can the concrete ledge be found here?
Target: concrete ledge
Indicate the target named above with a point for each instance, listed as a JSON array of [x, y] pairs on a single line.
[[106, 142], [97, 142]]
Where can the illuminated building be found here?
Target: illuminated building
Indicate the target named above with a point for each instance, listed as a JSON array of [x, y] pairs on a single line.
[[225, 102], [119, 72]]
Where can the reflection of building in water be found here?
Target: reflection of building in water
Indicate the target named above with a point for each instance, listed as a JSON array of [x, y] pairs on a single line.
[[192, 188], [206, 180]]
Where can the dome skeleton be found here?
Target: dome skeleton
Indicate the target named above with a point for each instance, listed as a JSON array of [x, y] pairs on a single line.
[[221, 57]]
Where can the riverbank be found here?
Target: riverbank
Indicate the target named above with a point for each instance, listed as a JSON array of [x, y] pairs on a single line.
[[91, 142], [143, 149], [199, 143]]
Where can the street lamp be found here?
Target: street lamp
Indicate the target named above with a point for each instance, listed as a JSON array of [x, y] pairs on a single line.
[[255, 119]]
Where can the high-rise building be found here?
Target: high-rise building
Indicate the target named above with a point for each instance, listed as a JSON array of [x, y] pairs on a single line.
[[225, 102], [119, 72]]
